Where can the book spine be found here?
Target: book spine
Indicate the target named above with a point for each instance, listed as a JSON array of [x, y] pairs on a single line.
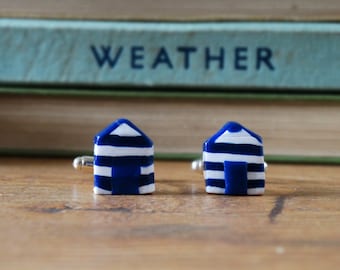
[[223, 54]]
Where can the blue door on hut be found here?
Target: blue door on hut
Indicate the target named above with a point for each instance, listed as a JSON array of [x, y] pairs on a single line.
[[125, 179]]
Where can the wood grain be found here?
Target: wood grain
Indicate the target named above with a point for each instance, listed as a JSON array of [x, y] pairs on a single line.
[[51, 220]]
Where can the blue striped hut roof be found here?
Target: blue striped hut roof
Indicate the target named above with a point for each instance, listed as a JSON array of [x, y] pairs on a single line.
[[122, 132], [234, 138]]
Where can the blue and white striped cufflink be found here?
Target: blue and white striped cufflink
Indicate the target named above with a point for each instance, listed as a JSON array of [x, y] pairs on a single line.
[[123, 161], [233, 162]]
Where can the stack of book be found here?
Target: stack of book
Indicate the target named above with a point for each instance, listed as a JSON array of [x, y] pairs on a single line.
[[179, 71]]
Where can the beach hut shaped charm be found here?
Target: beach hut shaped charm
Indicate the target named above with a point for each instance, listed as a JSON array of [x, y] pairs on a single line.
[[123, 160], [233, 161]]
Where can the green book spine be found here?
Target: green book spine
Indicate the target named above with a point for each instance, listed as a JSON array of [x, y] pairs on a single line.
[[225, 55]]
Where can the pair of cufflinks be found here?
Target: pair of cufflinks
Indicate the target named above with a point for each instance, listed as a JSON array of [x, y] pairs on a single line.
[[123, 161]]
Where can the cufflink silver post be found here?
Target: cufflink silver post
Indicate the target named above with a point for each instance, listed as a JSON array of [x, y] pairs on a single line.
[[83, 162], [197, 165]]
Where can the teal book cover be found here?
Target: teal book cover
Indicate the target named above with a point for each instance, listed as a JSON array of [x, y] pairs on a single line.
[[167, 54]]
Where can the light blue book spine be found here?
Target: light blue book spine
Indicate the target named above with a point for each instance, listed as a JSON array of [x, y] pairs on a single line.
[[221, 54]]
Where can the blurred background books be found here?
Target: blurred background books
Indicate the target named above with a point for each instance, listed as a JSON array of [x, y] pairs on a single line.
[[176, 10], [178, 70]]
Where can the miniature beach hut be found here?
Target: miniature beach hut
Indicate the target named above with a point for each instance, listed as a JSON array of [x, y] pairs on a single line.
[[233, 161], [123, 160]]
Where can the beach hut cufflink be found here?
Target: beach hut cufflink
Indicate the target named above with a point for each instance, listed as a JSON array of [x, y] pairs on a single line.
[[123, 161], [233, 161]]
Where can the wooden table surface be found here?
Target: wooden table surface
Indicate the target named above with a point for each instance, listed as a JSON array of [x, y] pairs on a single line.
[[50, 219]]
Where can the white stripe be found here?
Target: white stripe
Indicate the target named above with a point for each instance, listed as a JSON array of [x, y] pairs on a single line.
[[120, 151], [124, 130], [147, 189], [215, 190], [100, 191], [107, 171], [147, 170], [221, 157], [255, 191], [241, 137], [250, 191], [256, 176], [102, 171], [142, 190], [210, 174]]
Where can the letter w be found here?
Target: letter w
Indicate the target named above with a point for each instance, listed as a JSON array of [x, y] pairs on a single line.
[[103, 55]]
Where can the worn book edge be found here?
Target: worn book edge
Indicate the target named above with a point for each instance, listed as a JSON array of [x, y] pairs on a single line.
[[174, 94]]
